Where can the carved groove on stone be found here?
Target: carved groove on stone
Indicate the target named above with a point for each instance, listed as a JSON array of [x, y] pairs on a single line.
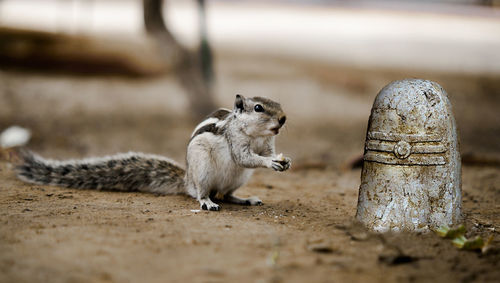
[[385, 146], [408, 138], [403, 149], [412, 160], [428, 148]]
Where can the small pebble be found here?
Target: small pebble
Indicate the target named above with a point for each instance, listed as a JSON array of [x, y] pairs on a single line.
[[320, 248]]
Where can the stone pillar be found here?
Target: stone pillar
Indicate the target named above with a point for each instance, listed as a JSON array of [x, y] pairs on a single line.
[[411, 177]]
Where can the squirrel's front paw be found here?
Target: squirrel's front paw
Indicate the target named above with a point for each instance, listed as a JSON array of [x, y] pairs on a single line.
[[281, 163]]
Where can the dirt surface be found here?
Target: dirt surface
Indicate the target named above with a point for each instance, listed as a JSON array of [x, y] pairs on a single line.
[[304, 232]]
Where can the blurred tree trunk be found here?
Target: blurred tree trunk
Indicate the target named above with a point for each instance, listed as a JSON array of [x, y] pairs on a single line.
[[187, 66]]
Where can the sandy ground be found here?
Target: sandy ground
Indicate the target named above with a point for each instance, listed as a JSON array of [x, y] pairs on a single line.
[[303, 232]]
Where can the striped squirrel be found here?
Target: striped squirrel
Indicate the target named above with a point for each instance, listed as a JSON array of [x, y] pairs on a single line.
[[221, 155]]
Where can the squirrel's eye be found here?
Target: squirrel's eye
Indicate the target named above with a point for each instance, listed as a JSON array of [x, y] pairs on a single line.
[[258, 108]]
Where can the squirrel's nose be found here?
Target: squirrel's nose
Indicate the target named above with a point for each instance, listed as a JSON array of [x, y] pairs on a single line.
[[282, 120]]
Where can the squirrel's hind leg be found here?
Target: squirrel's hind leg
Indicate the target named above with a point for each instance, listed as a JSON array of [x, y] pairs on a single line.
[[202, 195], [243, 201]]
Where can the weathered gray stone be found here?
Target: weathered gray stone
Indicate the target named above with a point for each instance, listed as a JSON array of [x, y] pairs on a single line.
[[411, 177]]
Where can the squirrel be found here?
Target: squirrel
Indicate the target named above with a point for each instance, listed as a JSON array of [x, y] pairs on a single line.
[[222, 153]]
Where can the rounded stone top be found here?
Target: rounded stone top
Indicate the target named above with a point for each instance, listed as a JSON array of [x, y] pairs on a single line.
[[411, 106], [409, 92]]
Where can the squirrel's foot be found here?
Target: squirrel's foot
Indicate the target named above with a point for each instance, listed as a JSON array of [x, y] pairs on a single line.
[[242, 201], [208, 204]]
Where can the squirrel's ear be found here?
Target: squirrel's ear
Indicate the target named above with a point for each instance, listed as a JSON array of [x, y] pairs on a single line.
[[239, 102]]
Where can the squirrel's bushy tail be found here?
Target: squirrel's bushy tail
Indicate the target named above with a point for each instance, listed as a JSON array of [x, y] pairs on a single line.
[[123, 172]]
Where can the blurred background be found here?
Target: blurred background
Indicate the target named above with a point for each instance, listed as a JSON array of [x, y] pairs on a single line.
[[91, 78], [92, 62]]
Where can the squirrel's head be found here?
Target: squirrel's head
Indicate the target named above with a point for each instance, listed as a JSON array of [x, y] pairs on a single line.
[[259, 116]]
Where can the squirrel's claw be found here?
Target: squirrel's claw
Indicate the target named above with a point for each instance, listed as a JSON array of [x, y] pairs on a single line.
[[281, 165], [207, 204]]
